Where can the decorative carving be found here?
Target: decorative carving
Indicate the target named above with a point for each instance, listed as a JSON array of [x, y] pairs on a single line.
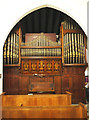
[[26, 66], [49, 66], [33, 66], [41, 66], [56, 66]]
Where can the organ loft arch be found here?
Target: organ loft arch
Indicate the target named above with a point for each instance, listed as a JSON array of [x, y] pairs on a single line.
[[45, 53]]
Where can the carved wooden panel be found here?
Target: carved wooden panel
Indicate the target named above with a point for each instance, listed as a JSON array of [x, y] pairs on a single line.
[[41, 66], [41, 83]]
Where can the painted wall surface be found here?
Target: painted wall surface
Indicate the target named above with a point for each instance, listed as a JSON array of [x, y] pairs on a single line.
[[11, 11]]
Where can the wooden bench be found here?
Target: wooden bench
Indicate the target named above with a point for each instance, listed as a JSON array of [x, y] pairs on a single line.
[[70, 111], [41, 106], [36, 100]]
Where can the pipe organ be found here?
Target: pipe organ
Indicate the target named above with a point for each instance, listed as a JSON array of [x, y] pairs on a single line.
[[43, 59], [74, 48], [11, 49]]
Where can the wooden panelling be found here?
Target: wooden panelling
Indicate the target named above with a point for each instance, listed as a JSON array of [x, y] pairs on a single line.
[[18, 83], [11, 80], [57, 82], [23, 84], [67, 70], [78, 88], [71, 79], [66, 83]]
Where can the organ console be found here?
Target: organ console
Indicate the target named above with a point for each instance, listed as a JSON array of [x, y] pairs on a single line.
[[44, 60]]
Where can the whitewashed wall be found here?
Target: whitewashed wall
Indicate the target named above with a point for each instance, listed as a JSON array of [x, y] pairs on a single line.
[[11, 11]]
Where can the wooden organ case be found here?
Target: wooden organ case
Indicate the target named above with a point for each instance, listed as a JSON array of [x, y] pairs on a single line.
[[41, 60], [45, 64]]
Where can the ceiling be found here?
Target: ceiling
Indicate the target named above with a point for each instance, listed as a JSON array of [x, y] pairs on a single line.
[[47, 20]]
